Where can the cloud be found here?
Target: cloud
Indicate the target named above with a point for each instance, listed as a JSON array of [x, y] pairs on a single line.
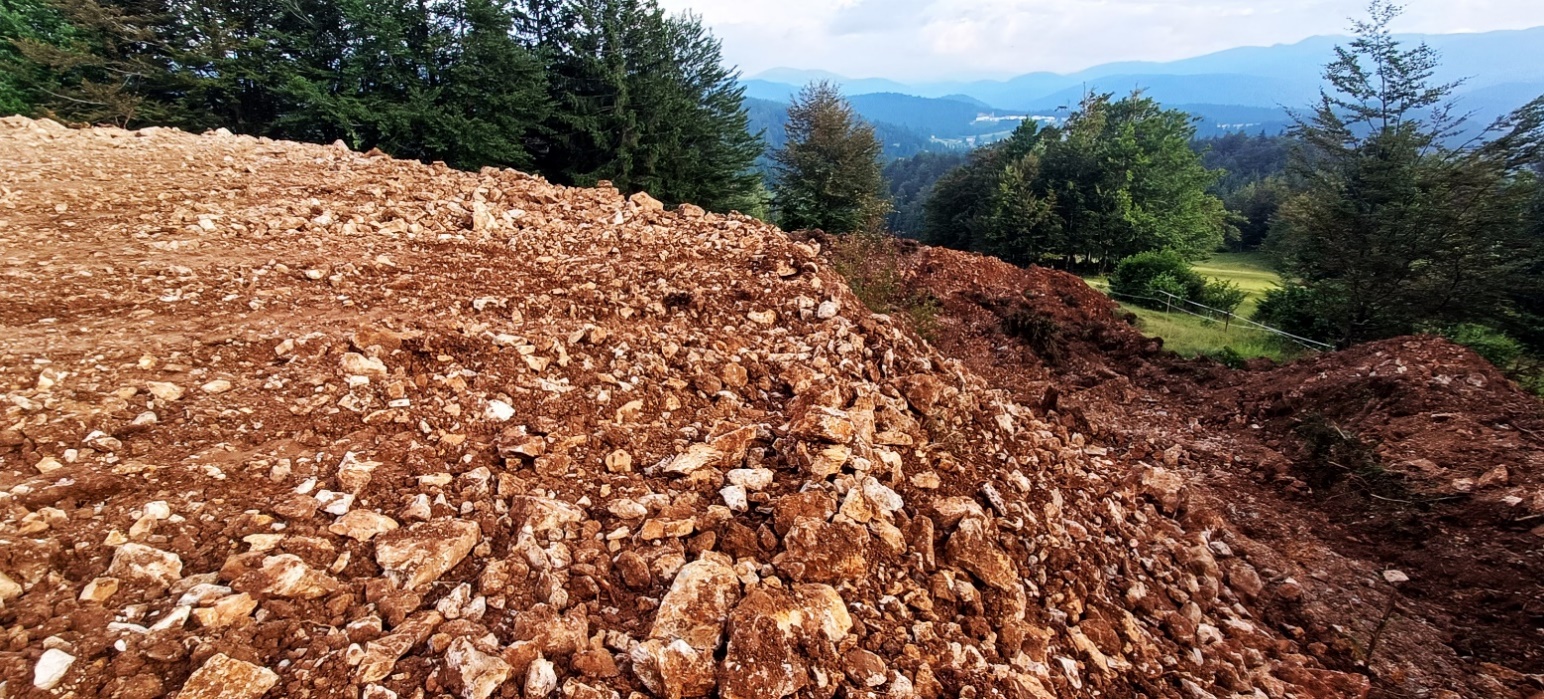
[[942, 39]]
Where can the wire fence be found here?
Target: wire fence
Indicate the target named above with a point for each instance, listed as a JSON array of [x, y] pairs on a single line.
[[1183, 305]]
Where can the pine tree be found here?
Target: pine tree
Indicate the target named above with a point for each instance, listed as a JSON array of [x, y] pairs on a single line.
[[116, 63], [642, 100], [828, 176], [1395, 226], [24, 84]]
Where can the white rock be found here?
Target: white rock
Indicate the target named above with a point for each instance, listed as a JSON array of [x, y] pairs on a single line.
[[540, 679], [363, 525], [145, 564], [217, 386], [752, 479], [421, 553], [158, 510], [628, 509], [1395, 577], [336, 504], [9, 590], [355, 364], [881, 495], [224, 677], [828, 310], [480, 674], [499, 411], [51, 668], [165, 391], [734, 497]]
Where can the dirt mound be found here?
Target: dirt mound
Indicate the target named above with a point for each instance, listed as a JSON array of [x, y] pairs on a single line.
[[1410, 460], [1440, 416], [1030, 330], [290, 420]]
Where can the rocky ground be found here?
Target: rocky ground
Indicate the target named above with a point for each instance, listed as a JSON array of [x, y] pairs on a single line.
[[290, 421], [1410, 460]]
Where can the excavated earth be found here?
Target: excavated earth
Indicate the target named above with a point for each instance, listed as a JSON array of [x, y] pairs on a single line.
[[292, 421], [1411, 455]]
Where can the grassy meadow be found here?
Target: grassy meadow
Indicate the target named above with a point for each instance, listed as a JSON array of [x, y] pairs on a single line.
[[1190, 336]]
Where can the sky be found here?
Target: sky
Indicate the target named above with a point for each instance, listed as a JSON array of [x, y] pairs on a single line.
[[973, 39]]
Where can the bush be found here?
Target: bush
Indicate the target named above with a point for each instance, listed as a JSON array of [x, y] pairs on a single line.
[[1143, 274], [1298, 310], [1222, 295]]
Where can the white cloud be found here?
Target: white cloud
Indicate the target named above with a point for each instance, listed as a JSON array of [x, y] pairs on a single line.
[[928, 39]]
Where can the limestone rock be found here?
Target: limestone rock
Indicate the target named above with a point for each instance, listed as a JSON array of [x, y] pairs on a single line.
[[1164, 486], [420, 553], [677, 659], [363, 525], [864, 668], [770, 631], [51, 668], [819, 423], [143, 564], [355, 473], [287, 576], [545, 514], [540, 679], [824, 552], [355, 364], [223, 677], [972, 547], [168, 392], [226, 611], [381, 655], [478, 674], [9, 589]]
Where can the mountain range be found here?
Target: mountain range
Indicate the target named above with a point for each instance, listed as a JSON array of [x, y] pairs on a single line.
[[1248, 88]]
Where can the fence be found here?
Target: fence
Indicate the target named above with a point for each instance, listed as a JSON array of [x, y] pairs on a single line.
[[1181, 304]]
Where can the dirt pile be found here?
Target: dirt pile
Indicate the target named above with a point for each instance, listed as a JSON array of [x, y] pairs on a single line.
[[1409, 460], [292, 420], [1446, 420]]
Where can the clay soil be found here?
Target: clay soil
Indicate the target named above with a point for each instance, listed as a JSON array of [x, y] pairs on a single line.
[[287, 420], [1411, 454]]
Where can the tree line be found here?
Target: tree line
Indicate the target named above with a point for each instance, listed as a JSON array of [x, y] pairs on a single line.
[[578, 90]]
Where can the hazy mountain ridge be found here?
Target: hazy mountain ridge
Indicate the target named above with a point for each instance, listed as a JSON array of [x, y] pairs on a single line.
[[1246, 88]]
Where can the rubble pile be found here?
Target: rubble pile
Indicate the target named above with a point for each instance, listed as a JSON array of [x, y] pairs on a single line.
[[290, 420], [1392, 491]]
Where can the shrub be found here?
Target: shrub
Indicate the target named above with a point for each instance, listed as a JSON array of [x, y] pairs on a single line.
[[1298, 310], [1145, 273], [1223, 295]]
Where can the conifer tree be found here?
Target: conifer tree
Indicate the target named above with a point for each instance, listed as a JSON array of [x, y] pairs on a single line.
[[828, 176], [1396, 225]]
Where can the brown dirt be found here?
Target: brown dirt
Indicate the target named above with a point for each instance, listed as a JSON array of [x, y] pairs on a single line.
[[1411, 454], [597, 449]]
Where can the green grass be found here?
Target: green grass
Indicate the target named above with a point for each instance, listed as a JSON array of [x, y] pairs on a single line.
[[1190, 336], [1252, 271]]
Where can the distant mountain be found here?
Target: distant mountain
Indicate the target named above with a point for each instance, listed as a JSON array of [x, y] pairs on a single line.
[[770, 117], [1502, 71]]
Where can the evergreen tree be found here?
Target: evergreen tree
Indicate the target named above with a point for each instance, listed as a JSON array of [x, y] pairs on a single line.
[[25, 85], [1395, 227], [116, 63], [642, 100], [828, 176], [911, 182], [962, 209]]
